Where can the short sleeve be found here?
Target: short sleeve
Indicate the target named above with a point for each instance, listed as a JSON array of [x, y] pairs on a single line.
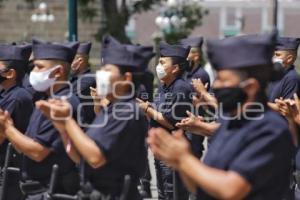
[[177, 107], [117, 134], [46, 134], [203, 75], [290, 86], [263, 156]]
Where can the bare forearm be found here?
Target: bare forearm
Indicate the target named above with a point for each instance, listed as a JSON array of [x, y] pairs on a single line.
[[189, 184], [84, 145], [212, 180], [70, 149], [157, 116], [209, 99], [293, 130], [207, 129], [26, 145]]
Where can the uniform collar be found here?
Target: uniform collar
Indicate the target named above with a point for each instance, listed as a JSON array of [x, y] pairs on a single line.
[[64, 91], [241, 121], [292, 67], [193, 71], [3, 92], [110, 105], [169, 88], [75, 77]]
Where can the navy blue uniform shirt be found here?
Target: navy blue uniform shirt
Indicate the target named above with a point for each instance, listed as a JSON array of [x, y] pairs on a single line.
[[121, 132], [287, 86], [18, 102], [197, 140], [198, 72], [81, 88], [173, 101], [42, 131], [258, 151]]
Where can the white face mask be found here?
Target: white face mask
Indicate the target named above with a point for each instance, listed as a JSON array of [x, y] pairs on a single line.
[[160, 71], [40, 81], [277, 60], [103, 83]]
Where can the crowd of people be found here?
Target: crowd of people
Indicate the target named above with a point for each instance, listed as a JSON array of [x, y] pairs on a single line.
[[230, 136]]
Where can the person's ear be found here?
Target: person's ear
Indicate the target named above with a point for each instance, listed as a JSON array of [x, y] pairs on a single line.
[[290, 59], [128, 77], [80, 60], [252, 87], [57, 72], [11, 73], [176, 69]]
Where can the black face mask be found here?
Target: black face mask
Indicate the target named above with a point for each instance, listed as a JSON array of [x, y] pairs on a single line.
[[278, 72], [229, 98], [2, 79]]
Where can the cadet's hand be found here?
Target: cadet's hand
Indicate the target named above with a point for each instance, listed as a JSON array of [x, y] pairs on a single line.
[[168, 148], [93, 93], [45, 107], [198, 86], [55, 109], [282, 107], [143, 105], [191, 123], [5, 121], [196, 101], [294, 108]]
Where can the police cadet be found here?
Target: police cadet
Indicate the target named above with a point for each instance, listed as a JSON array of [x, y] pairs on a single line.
[[196, 71], [146, 78], [170, 105], [82, 79], [36, 95], [250, 154], [16, 100], [41, 143], [145, 92], [114, 145], [286, 55]]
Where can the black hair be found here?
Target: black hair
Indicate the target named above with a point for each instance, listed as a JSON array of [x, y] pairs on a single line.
[[182, 63], [137, 76], [262, 74], [19, 66]]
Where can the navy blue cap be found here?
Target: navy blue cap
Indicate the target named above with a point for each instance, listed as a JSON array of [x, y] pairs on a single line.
[[84, 48], [168, 50], [121, 56], [241, 52], [192, 42], [108, 41], [15, 52], [287, 43], [145, 51], [54, 51]]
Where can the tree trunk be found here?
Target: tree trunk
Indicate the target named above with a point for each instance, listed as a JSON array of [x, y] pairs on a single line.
[[115, 20]]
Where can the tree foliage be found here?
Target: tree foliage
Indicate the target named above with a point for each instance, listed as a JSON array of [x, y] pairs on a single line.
[[114, 16]]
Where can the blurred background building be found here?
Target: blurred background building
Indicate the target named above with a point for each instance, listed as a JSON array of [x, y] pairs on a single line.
[[22, 19]]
